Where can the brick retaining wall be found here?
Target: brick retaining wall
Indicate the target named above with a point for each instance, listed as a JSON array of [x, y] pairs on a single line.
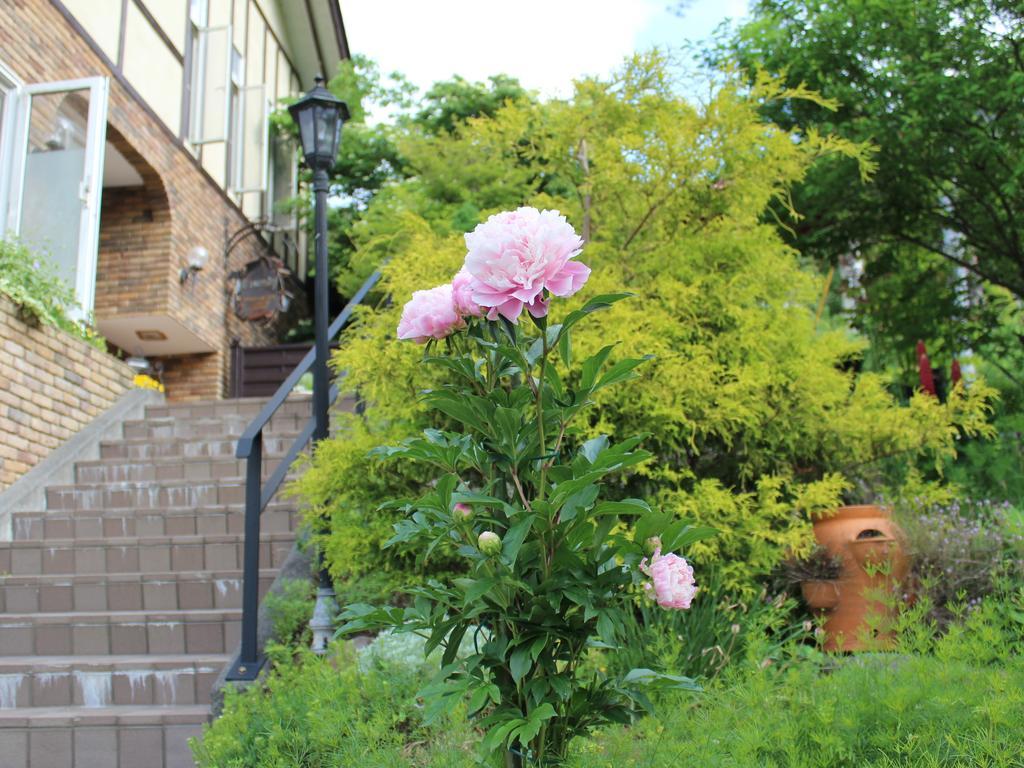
[[51, 385]]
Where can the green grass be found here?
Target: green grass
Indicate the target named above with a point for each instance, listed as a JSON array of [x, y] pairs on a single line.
[[881, 711], [941, 702]]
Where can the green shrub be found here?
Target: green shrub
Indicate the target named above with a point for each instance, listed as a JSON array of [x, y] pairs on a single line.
[[30, 280], [755, 414], [290, 610], [326, 713]]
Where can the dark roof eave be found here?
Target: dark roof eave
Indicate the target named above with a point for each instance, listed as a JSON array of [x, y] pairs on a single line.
[[339, 29]]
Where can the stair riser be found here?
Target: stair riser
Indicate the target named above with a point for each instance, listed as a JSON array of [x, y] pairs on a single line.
[[110, 746], [85, 526], [136, 558], [143, 496], [181, 595], [38, 639], [142, 687], [189, 449], [194, 471], [220, 428], [248, 411]]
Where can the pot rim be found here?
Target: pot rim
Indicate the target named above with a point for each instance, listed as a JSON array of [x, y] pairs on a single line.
[[825, 590], [855, 512]]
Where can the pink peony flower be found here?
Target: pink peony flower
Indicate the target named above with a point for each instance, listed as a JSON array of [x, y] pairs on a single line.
[[671, 583], [429, 315], [516, 255], [462, 295]]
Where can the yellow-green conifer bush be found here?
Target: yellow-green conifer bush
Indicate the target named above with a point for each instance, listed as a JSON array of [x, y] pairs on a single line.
[[754, 411]]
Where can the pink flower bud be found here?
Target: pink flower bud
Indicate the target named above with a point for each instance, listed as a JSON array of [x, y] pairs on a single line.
[[653, 545], [462, 512], [489, 543]]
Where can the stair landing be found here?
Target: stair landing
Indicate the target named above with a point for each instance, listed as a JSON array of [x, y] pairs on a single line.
[[120, 602]]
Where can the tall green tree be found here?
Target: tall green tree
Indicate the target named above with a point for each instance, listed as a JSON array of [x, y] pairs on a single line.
[[937, 86]]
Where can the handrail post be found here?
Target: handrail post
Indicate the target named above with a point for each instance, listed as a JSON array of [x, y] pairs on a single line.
[[250, 447], [321, 377], [321, 624], [247, 665]]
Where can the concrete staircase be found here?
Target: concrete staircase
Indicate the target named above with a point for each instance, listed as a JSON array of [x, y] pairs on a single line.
[[120, 602]]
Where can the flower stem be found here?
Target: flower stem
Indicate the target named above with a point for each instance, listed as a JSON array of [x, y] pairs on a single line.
[[540, 416]]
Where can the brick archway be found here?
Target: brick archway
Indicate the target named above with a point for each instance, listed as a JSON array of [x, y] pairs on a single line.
[[135, 239]]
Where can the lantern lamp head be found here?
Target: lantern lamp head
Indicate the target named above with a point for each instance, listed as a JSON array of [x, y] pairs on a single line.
[[319, 116]]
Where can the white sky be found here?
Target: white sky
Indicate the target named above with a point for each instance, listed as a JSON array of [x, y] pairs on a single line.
[[545, 43]]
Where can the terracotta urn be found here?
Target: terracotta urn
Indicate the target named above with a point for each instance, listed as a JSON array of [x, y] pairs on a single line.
[[874, 563]]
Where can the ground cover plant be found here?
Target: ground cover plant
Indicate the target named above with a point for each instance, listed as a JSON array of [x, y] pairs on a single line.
[[30, 280], [939, 700]]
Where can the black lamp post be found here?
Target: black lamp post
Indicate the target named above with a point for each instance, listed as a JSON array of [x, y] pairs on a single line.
[[319, 116]]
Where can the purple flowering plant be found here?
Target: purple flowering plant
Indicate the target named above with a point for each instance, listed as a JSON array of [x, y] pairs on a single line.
[[553, 566], [961, 552]]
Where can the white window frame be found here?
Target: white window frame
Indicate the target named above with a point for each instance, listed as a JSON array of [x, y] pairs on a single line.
[[293, 183], [257, 92], [10, 86], [199, 84], [91, 187], [234, 145]]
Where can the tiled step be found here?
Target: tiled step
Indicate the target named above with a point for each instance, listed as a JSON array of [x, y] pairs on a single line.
[[120, 603], [121, 632], [225, 426], [278, 517], [172, 591], [195, 469], [86, 681], [153, 495], [100, 737], [149, 554], [250, 408], [144, 449]]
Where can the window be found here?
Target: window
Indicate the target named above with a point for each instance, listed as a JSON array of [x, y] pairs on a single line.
[[210, 78], [8, 111], [235, 119], [52, 171]]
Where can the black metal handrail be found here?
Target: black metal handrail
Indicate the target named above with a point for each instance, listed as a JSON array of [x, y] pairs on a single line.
[[258, 495]]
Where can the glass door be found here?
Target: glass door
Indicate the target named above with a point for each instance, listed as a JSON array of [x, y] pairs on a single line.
[[58, 177]]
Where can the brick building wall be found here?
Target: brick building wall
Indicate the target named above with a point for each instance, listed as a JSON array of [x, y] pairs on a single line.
[[146, 233], [51, 385], [135, 242]]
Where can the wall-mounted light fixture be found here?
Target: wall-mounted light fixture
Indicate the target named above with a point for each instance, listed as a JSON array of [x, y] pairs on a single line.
[[197, 258], [138, 363]]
